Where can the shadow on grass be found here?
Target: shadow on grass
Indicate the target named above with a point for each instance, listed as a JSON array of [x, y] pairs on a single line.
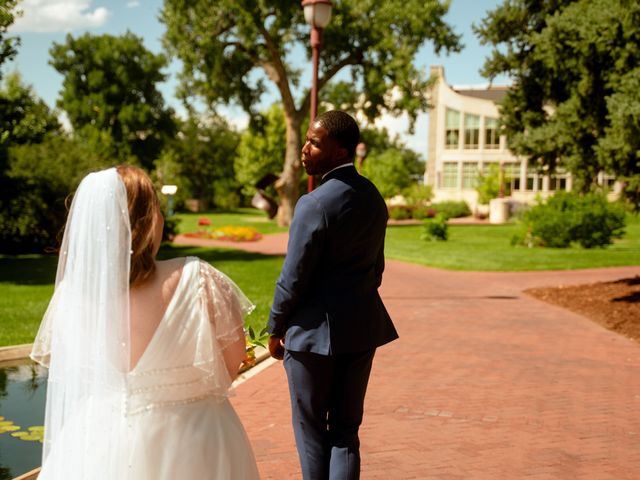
[[209, 254], [41, 269], [28, 269]]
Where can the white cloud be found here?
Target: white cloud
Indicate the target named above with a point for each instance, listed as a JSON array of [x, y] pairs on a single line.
[[58, 16], [133, 4]]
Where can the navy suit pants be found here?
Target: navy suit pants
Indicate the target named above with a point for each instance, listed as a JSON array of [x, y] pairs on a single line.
[[327, 403]]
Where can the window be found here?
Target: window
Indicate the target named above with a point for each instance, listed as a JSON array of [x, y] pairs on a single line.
[[557, 183], [450, 175], [452, 135], [471, 131], [534, 182], [469, 175], [512, 175], [491, 137]]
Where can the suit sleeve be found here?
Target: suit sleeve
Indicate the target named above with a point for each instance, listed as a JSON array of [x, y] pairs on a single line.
[[306, 239]]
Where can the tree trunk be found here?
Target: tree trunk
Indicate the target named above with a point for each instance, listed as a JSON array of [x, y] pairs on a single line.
[[289, 182]]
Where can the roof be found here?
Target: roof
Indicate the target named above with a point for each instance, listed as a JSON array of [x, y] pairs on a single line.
[[494, 93]]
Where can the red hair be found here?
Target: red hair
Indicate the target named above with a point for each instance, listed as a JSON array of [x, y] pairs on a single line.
[[143, 205]]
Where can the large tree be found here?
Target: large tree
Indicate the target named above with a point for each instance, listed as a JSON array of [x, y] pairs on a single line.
[[24, 118], [223, 42], [200, 160], [110, 94], [261, 150], [8, 45], [575, 100]]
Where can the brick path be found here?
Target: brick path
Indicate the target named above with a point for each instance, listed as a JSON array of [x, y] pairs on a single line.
[[484, 383]]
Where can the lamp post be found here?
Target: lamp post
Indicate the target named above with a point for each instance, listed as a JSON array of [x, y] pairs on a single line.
[[169, 191], [317, 13]]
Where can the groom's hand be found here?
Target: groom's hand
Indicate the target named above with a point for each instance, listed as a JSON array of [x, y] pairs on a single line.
[[276, 347]]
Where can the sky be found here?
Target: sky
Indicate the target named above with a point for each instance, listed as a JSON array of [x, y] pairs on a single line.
[[47, 21]]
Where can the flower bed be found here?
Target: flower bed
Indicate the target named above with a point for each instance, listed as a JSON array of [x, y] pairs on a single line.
[[227, 233]]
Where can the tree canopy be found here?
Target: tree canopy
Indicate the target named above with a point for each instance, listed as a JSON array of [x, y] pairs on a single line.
[[8, 45], [24, 118], [229, 48], [261, 150], [110, 93], [200, 160], [575, 99], [389, 164]]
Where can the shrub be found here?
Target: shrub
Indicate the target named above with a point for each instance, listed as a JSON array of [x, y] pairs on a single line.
[[436, 228], [566, 217], [399, 212], [420, 213], [418, 195], [452, 209], [170, 227], [488, 186]]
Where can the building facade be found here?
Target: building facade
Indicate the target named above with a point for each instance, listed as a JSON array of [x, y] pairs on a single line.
[[465, 140]]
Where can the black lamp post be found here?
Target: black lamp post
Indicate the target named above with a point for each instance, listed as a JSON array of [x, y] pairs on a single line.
[[317, 13]]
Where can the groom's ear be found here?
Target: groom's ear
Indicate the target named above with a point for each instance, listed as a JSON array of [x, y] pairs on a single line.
[[342, 154]]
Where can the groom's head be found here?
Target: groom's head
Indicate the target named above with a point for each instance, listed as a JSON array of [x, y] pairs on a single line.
[[330, 142], [342, 128]]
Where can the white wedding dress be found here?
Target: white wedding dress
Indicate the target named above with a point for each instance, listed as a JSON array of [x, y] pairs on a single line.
[[174, 420]]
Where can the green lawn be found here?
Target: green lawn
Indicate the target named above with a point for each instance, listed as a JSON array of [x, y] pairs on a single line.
[[488, 248], [26, 283], [240, 217]]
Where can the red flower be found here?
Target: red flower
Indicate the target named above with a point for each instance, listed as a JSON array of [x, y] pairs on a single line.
[[204, 221]]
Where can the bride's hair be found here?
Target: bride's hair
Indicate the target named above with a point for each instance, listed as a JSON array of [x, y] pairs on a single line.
[[143, 204]]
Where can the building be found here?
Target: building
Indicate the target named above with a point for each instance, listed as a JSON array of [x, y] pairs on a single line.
[[464, 141]]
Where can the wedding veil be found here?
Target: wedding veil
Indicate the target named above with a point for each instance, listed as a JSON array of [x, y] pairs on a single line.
[[84, 336]]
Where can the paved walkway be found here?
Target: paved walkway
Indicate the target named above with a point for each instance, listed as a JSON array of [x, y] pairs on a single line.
[[485, 382]]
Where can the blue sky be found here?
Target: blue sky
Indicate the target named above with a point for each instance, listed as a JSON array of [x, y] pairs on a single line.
[[48, 21]]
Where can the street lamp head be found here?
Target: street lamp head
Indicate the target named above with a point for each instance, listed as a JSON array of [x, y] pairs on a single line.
[[169, 189], [317, 13]]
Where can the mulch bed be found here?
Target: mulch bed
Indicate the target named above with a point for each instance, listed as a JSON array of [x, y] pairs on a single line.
[[615, 305]]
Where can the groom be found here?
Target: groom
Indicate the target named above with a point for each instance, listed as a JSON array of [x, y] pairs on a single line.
[[327, 317]]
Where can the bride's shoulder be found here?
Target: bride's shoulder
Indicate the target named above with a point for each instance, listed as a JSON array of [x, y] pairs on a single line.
[[170, 270]]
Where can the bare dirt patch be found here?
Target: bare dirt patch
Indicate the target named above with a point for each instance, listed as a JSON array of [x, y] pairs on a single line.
[[615, 305]]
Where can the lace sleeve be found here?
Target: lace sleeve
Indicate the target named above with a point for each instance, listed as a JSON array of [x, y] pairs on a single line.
[[226, 304]]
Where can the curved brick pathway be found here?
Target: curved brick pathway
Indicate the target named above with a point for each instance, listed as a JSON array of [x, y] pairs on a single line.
[[484, 383]]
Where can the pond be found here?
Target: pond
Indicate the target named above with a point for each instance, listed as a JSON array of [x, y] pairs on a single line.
[[22, 400]]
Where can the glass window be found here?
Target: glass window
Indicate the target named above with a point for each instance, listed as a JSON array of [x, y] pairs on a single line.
[[534, 182], [512, 175], [469, 175], [557, 183], [450, 175], [471, 131], [491, 137], [452, 135]]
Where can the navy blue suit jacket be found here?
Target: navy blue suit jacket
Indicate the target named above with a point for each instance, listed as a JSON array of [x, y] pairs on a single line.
[[326, 299]]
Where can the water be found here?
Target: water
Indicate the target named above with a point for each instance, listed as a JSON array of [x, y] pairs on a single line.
[[22, 400]]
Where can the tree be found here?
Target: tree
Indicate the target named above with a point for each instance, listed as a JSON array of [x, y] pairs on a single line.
[[33, 191], [491, 183], [201, 162], [110, 88], [222, 42], [575, 69], [8, 45], [389, 164], [24, 118], [261, 150]]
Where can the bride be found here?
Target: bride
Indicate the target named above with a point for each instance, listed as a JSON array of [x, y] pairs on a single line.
[[141, 352]]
